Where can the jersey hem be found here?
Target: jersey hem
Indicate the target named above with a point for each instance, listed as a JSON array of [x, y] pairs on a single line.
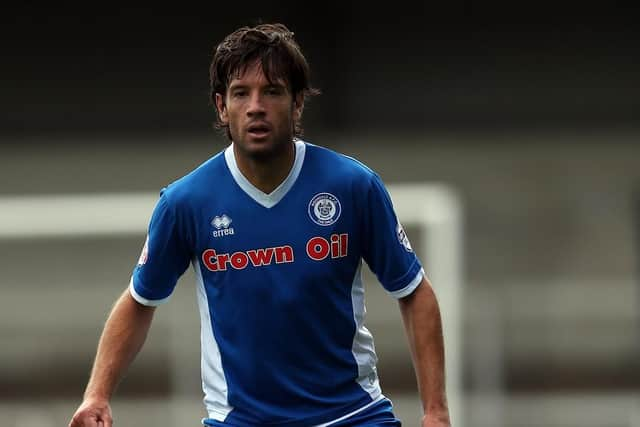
[[314, 421], [407, 290], [145, 301], [352, 413]]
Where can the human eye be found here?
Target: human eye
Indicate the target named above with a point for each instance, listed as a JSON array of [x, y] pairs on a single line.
[[274, 91], [238, 93]]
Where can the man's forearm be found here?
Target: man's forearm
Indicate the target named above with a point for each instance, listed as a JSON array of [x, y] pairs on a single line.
[[422, 321], [122, 338]]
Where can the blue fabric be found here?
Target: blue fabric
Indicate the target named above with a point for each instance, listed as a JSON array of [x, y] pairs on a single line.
[[379, 414], [280, 285]]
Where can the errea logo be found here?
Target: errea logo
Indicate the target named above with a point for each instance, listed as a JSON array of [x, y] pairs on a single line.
[[221, 224]]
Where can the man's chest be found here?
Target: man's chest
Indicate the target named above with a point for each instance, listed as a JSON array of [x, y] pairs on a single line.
[[306, 238]]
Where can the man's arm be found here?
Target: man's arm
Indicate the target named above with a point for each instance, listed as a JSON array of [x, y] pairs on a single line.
[[122, 338], [422, 322]]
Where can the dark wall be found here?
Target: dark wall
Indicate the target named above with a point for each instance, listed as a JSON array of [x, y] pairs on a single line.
[[410, 66]]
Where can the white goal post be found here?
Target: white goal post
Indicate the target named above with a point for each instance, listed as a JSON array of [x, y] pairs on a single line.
[[434, 209]]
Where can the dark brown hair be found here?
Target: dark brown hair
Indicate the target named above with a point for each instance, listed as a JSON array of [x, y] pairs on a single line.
[[277, 51]]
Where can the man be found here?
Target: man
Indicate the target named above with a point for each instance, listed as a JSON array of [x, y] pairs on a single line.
[[276, 230]]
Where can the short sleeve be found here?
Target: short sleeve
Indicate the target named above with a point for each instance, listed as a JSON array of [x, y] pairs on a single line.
[[387, 250], [164, 257]]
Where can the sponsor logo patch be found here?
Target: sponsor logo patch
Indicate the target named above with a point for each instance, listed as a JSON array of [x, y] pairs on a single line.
[[318, 248]]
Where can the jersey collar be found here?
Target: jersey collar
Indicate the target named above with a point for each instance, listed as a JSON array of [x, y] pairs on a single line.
[[264, 199]]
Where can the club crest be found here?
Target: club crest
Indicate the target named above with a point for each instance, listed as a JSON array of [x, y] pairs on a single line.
[[324, 209]]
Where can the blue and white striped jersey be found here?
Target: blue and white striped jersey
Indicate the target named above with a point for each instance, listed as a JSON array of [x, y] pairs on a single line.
[[279, 283]]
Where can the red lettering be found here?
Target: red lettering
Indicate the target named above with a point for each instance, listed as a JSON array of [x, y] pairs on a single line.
[[284, 254], [335, 246], [260, 256], [239, 260], [344, 238], [222, 261], [209, 259], [317, 248]]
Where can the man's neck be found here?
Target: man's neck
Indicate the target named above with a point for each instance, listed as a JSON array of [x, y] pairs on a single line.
[[266, 174]]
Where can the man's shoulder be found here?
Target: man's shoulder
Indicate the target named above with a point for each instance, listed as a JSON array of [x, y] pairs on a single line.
[[200, 179], [338, 162]]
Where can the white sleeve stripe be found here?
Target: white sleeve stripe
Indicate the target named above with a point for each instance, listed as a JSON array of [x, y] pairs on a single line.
[[142, 300], [410, 287]]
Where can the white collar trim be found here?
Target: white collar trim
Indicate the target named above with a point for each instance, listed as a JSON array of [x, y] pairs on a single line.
[[271, 199]]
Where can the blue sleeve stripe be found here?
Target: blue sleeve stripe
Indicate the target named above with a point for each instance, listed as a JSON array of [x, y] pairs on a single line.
[[410, 287], [142, 300]]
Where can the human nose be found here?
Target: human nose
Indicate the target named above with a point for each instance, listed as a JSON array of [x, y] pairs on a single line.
[[256, 105]]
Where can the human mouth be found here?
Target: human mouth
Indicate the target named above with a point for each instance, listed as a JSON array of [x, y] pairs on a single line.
[[258, 130]]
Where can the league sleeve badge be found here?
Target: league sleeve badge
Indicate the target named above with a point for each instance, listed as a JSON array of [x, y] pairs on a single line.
[[403, 238], [145, 252]]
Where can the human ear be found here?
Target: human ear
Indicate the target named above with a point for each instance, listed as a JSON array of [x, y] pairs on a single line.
[[222, 109], [298, 106]]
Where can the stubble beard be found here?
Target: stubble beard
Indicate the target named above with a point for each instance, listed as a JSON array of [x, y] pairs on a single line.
[[277, 148]]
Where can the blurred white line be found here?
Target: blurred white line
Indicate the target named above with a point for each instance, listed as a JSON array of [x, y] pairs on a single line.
[[34, 417], [75, 215]]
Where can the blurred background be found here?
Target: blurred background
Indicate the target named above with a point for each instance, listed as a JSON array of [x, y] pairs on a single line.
[[527, 113]]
